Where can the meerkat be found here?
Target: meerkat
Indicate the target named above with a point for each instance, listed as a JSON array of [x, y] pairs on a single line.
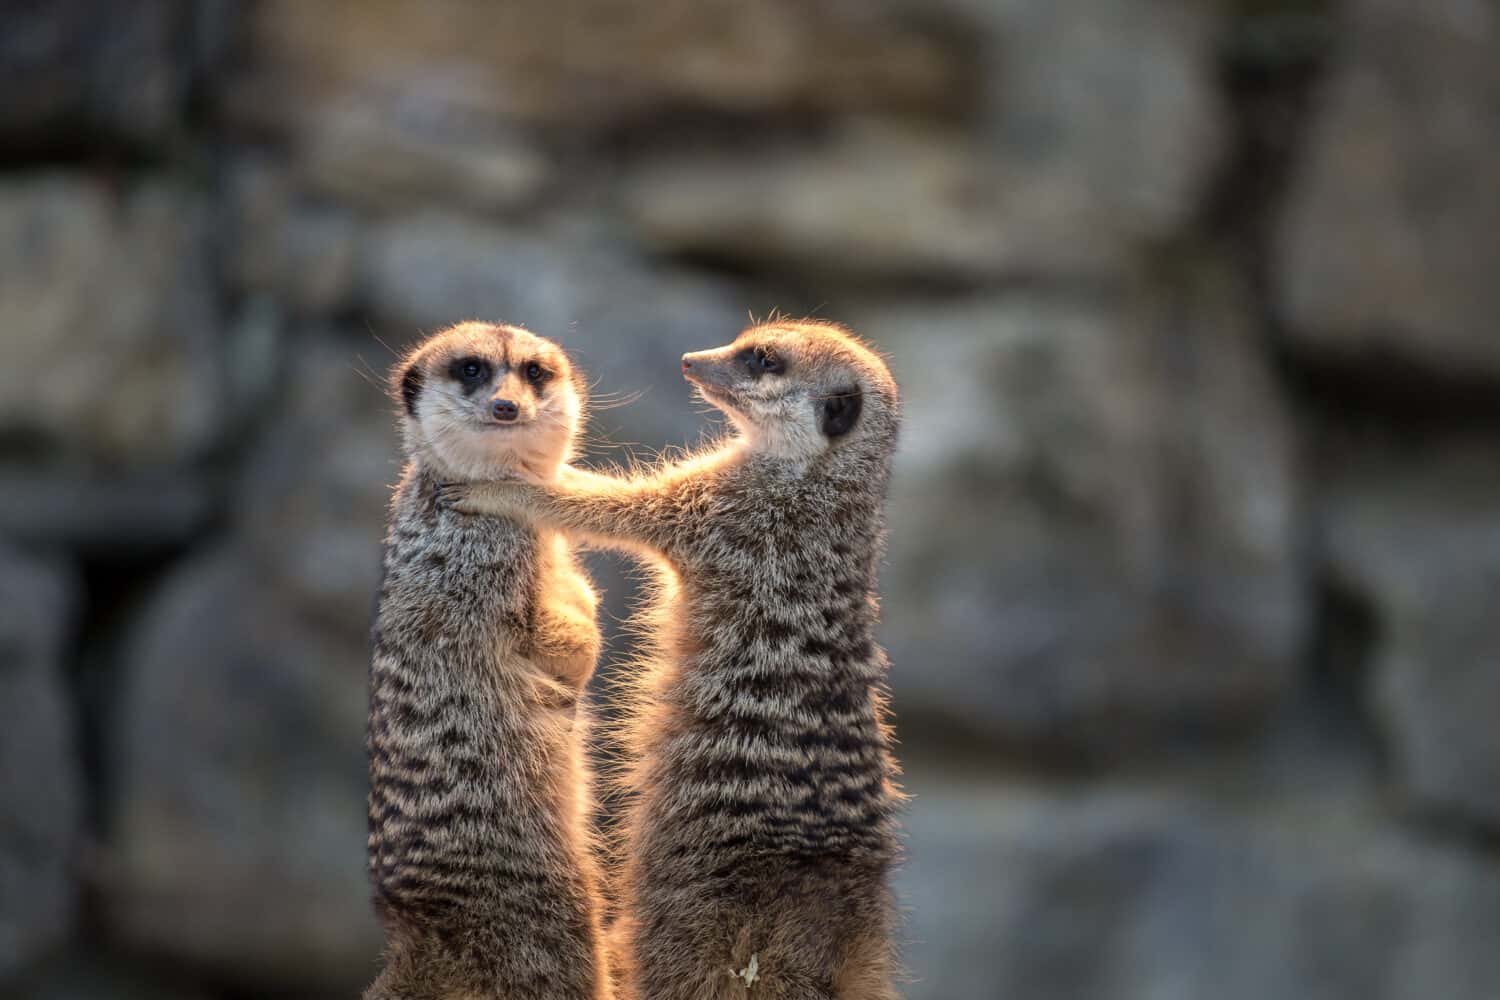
[[762, 829], [479, 855]]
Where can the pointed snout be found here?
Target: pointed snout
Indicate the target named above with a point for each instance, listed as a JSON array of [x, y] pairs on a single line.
[[710, 368], [509, 398]]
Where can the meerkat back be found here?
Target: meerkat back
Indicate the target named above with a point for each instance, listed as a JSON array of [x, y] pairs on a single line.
[[479, 854]]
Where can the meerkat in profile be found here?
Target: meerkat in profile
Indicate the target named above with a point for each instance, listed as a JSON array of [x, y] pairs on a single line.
[[762, 828], [478, 851]]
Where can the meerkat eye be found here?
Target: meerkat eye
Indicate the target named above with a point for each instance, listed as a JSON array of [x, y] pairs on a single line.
[[763, 361], [470, 371], [534, 372]]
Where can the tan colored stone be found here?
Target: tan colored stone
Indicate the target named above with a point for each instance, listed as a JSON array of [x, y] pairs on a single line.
[[591, 61], [112, 352], [875, 200], [1094, 520]]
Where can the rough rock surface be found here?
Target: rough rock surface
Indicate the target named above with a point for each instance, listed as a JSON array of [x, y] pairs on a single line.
[[287, 247], [40, 778], [255, 656], [239, 816], [112, 348], [76, 71], [1115, 100], [365, 158], [1389, 236], [312, 497], [103, 514], [82, 976], [873, 200], [1416, 541], [1094, 515], [1019, 891], [1102, 131], [473, 64]]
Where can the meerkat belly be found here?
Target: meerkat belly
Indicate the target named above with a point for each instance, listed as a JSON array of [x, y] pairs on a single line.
[[739, 793], [456, 744], [566, 639], [776, 749]]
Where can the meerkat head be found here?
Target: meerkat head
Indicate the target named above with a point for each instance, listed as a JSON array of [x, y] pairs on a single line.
[[799, 390], [481, 401]]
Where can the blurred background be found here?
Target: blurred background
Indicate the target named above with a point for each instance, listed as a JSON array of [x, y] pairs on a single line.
[[1192, 584]]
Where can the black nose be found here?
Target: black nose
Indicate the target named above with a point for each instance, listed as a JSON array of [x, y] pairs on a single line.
[[686, 364], [504, 410]]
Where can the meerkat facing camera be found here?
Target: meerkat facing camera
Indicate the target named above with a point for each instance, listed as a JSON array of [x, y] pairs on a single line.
[[763, 826], [484, 636]]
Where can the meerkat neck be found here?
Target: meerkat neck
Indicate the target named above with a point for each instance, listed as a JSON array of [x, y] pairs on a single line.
[[432, 466]]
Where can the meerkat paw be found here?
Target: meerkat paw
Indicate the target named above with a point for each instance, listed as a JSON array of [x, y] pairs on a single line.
[[500, 498], [451, 495]]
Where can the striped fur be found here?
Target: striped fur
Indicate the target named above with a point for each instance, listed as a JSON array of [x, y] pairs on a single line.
[[762, 825], [482, 869]]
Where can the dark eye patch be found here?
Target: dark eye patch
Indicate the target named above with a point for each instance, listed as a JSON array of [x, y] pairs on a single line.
[[470, 372], [760, 361], [536, 373]]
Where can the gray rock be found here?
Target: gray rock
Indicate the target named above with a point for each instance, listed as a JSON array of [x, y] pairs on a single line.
[[1413, 535], [312, 494], [1388, 238], [1093, 519], [113, 356], [238, 816], [358, 155], [1100, 130], [82, 975], [321, 273], [303, 253], [871, 200], [1116, 101], [584, 63], [1125, 893], [40, 781], [113, 515], [77, 69]]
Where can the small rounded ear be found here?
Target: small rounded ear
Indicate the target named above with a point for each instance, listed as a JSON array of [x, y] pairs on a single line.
[[411, 388], [839, 411]]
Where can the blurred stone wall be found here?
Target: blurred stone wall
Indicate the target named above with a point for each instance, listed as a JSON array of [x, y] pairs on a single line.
[[1196, 534]]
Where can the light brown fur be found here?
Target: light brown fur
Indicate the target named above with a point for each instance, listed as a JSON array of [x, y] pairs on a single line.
[[479, 853], [762, 824]]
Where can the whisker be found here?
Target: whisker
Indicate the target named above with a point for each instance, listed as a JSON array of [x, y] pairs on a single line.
[[627, 399], [376, 337], [368, 373]]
